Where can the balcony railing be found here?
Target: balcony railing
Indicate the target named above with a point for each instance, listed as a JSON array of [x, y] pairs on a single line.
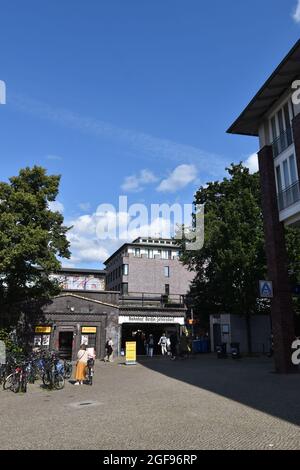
[[282, 142], [289, 196], [142, 299]]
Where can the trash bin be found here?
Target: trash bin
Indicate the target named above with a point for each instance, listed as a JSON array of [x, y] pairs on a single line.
[[235, 349], [222, 350]]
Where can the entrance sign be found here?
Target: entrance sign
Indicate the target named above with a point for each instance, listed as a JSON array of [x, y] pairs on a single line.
[[89, 329], [151, 319], [266, 289], [130, 352], [43, 329]]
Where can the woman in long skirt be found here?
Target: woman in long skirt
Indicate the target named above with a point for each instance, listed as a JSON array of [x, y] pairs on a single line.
[[82, 357]]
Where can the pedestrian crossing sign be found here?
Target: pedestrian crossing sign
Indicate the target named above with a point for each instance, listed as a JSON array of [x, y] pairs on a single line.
[[266, 289]]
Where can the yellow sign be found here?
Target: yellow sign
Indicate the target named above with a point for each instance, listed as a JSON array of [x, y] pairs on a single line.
[[43, 329], [89, 329], [130, 352]]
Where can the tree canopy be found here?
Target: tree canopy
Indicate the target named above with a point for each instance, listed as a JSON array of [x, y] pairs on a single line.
[[32, 237], [233, 258]]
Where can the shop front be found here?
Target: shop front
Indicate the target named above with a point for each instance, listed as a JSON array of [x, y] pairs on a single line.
[[71, 320], [138, 328]]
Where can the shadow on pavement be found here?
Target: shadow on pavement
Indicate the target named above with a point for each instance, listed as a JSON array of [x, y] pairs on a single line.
[[249, 381]]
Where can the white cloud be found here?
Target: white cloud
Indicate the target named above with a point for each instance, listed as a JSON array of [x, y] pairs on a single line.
[[252, 163], [86, 249], [136, 183], [178, 179], [88, 240], [84, 206], [56, 206], [296, 14]]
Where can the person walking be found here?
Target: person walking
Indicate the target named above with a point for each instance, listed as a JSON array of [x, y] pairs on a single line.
[[82, 358], [109, 351], [146, 346], [163, 344], [174, 342], [150, 346]]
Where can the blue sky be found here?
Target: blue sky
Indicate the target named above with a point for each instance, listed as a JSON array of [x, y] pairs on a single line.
[[132, 97]]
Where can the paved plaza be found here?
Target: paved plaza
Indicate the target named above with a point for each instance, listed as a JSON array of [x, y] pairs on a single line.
[[201, 403]]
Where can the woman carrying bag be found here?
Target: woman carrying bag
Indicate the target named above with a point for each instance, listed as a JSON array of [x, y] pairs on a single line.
[[82, 358]]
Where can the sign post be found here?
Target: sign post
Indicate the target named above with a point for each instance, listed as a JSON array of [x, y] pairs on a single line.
[[130, 358], [266, 289]]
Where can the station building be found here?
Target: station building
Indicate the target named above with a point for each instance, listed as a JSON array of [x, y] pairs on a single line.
[[142, 291], [153, 284]]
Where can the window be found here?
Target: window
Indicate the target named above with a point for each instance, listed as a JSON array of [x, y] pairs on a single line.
[[124, 288], [166, 254], [274, 130], [125, 269], [281, 129], [167, 289], [293, 170], [287, 118], [167, 271], [137, 252], [150, 253], [286, 174]]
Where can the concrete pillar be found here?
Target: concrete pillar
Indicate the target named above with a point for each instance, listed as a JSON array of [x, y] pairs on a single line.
[[281, 305]]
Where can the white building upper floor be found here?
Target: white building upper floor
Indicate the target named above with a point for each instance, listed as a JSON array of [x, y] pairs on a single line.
[[270, 117]]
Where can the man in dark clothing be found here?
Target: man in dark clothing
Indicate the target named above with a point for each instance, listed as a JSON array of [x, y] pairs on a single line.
[[174, 342]]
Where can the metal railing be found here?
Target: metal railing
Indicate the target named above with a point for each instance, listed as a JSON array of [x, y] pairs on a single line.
[[289, 196], [282, 142], [144, 299]]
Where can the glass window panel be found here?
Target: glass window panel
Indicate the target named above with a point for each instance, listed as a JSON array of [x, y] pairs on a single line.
[[293, 171]]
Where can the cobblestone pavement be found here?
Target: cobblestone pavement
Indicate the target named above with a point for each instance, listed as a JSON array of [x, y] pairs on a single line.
[[201, 403]]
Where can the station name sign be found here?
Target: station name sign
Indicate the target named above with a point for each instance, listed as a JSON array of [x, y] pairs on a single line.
[[150, 319]]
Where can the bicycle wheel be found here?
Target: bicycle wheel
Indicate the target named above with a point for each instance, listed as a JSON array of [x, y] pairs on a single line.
[[8, 382], [23, 385], [68, 371], [16, 383], [59, 381], [46, 378]]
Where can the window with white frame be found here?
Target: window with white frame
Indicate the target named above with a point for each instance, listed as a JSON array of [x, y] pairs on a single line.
[[281, 128], [167, 271]]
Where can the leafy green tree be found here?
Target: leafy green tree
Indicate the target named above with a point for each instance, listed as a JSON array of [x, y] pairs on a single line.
[[31, 238], [233, 260]]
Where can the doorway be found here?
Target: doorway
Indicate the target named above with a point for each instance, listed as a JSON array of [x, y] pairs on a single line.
[[65, 344], [217, 335], [139, 332]]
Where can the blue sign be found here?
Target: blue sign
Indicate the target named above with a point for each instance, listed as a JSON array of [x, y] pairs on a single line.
[[296, 289], [266, 289]]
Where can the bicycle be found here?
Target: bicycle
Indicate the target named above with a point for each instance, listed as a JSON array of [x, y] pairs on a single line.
[[90, 371], [17, 380], [68, 369], [54, 375]]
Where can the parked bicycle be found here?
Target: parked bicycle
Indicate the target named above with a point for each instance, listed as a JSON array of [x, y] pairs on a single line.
[[17, 380], [90, 371], [54, 373]]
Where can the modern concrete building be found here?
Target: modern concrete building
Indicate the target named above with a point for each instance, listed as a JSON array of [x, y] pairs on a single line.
[[153, 284], [148, 266], [91, 308], [273, 116]]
